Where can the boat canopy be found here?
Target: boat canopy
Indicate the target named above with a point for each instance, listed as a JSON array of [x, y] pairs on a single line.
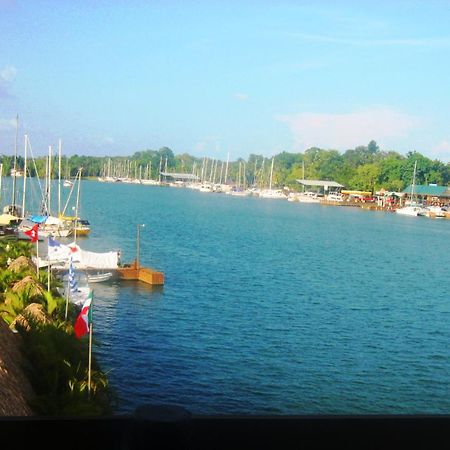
[[38, 219], [6, 219], [60, 254], [345, 192]]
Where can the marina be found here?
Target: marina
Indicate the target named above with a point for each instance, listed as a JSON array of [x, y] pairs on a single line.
[[328, 316], [225, 224], [261, 306]]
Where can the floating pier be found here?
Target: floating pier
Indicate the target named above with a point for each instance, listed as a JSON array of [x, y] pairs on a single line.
[[135, 271]]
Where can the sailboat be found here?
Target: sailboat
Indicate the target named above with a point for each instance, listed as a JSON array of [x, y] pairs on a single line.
[[49, 225], [81, 227], [14, 209], [413, 208], [272, 193]]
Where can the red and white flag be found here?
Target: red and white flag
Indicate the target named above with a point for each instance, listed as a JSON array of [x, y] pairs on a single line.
[[84, 319], [33, 233]]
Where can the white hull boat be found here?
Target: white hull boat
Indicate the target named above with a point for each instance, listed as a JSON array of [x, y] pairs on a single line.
[[99, 277]]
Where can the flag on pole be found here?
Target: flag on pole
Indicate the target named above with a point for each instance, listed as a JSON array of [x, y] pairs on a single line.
[[53, 246], [33, 233], [84, 319], [73, 285]]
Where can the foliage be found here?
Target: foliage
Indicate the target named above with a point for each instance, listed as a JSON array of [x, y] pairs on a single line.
[[13, 304], [387, 169], [58, 373], [57, 362], [12, 250]]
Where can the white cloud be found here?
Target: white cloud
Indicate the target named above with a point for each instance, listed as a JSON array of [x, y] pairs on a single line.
[[348, 130], [441, 151], [8, 74], [443, 41], [241, 97], [108, 140], [7, 124]]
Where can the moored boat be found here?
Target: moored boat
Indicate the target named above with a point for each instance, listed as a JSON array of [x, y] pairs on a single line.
[[99, 277]]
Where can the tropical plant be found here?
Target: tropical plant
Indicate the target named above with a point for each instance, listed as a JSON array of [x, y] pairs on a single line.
[[58, 373], [13, 305]]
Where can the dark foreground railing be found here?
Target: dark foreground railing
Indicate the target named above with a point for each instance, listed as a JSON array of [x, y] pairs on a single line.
[[174, 428]]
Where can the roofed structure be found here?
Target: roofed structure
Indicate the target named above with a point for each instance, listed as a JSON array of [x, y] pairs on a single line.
[[320, 183], [180, 176], [431, 190], [322, 186]]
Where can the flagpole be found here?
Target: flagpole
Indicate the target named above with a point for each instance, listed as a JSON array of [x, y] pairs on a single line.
[[67, 301], [90, 344], [49, 270], [68, 286], [37, 257]]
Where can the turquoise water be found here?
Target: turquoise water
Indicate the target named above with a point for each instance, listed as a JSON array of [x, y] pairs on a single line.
[[271, 307]]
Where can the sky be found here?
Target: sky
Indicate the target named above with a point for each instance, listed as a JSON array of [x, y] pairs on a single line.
[[213, 78]]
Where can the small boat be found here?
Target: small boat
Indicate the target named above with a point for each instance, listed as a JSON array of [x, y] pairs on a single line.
[[99, 277], [412, 210], [82, 227], [68, 183]]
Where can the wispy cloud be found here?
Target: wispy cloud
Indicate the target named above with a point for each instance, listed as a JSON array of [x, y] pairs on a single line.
[[442, 151], [240, 96], [7, 76], [108, 140], [210, 145], [443, 41], [7, 124], [348, 130]]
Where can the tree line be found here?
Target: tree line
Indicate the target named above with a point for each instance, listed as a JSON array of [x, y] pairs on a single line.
[[362, 168]]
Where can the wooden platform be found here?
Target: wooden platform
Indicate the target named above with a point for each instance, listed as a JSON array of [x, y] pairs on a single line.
[[144, 274]]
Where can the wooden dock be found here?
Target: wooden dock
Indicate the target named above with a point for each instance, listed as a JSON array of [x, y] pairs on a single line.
[[144, 274]]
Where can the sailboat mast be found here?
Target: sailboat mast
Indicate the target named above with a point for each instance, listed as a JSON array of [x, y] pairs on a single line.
[[221, 172], [303, 170], [49, 178], [226, 168], [59, 178], [77, 204], [15, 165], [271, 174], [414, 180], [25, 177]]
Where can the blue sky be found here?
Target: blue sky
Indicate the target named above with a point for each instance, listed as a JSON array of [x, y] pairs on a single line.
[[208, 78]]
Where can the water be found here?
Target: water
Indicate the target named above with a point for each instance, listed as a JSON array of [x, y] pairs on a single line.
[[271, 307]]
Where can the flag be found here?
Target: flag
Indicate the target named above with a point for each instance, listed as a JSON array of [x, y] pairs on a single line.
[[84, 319], [73, 285], [53, 244], [73, 248], [55, 249], [33, 233]]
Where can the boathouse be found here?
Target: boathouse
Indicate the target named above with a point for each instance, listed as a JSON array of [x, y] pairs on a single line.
[[180, 177], [430, 194], [322, 186]]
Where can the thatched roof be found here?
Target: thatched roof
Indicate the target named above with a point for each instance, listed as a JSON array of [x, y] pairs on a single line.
[[28, 283], [20, 263], [14, 386], [34, 312]]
